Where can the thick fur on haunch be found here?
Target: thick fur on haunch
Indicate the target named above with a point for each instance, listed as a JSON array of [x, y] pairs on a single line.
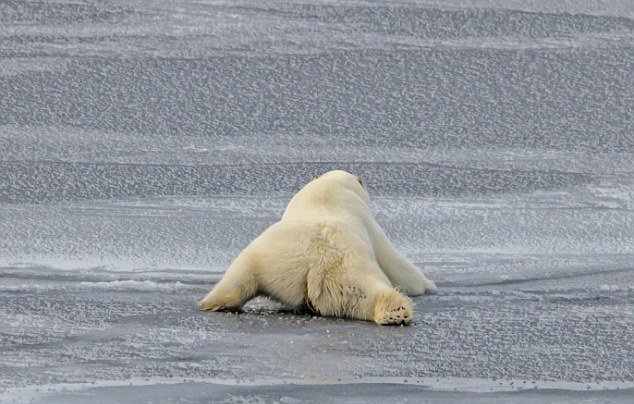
[[327, 254]]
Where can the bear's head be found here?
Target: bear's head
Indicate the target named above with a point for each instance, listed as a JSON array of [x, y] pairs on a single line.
[[347, 181]]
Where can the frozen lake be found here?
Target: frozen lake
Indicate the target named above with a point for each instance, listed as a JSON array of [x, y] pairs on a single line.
[[143, 144]]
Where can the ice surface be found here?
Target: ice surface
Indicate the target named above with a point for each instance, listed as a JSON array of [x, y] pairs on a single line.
[[143, 144]]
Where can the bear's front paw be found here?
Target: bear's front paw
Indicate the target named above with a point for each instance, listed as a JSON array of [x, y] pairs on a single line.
[[212, 305], [393, 308], [206, 305], [430, 287]]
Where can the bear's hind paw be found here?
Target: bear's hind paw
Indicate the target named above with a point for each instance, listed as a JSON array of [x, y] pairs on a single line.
[[393, 308]]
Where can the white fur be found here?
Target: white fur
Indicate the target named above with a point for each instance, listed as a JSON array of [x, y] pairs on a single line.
[[327, 254]]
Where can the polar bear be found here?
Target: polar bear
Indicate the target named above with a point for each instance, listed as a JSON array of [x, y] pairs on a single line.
[[328, 255]]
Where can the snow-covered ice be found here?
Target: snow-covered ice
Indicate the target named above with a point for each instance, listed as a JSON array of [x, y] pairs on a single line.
[[143, 144]]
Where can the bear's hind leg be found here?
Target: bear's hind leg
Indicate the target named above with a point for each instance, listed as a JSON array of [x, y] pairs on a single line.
[[378, 303], [362, 293]]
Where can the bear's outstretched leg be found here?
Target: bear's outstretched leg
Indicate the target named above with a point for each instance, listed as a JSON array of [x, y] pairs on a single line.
[[404, 275], [237, 287]]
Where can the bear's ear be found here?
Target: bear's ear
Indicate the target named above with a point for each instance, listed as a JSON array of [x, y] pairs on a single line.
[[360, 181]]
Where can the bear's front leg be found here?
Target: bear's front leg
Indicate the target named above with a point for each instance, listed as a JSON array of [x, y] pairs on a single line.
[[222, 300], [237, 287]]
